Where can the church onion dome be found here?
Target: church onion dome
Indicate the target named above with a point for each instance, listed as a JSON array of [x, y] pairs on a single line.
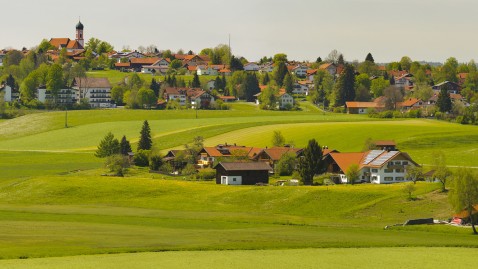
[[79, 26]]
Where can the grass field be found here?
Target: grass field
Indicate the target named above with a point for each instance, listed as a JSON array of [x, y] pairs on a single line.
[[54, 201], [292, 258]]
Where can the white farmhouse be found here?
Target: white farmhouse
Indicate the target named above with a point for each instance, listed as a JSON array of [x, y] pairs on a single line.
[[375, 166]]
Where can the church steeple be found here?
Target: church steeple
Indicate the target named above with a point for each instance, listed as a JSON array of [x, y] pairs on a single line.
[[79, 33]]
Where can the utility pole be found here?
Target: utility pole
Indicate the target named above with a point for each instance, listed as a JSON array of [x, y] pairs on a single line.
[[66, 117]]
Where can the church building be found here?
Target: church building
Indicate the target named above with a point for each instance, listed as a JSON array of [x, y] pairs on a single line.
[[71, 45]]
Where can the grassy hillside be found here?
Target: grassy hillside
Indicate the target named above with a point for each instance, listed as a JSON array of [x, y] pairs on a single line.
[[303, 258], [83, 213], [54, 201]]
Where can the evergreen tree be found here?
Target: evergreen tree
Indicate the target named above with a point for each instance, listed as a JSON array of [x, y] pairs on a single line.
[[288, 84], [155, 86], [279, 73], [125, 147], [218, 84], [344, 89], [224, 81], [369, 58], [319, 60], [311, 162], [265, 79], [196, 83], [250, 87], [108, 146], [236, 64], [341, 60], [444, 100], [145, 142], [392, 80], [10, 81]]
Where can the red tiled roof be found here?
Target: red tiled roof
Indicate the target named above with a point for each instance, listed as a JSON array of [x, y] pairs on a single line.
[[123, 64], [243, 166], [345, 160], [57, 42], [276, 153], [408, 103], [362, 104], [144, 61]]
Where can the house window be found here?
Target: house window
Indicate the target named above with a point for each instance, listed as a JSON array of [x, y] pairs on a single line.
[[388, 170], [399, 170], [398, 163], [374, 170], [399, 178], [388, 178], [234, 179], [405, 163]]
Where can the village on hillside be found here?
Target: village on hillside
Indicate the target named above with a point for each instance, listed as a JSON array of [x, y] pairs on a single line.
[[58, 74]]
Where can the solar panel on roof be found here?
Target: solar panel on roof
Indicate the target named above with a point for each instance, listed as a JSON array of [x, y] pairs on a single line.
[[372, 155], [385, 157]]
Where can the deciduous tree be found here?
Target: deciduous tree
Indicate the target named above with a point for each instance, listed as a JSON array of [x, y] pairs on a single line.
[[278, 139], [353, 173], [464, 193]]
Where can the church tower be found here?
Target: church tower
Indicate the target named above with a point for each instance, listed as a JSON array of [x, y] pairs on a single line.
[[79, 34]]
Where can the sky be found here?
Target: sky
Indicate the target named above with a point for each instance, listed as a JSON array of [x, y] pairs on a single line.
[[429, 30]]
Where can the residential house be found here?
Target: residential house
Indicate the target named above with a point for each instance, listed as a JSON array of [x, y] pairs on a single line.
[[404, 81], [362, 107], [201, 99], [161, 66], [208, 155], [451, 87], [10, 94], [2, 57], [267, 68], [225, 71], [126, 55], [211, 84], [375, 166], [176, 159], [300, 70], [251, 67], [137, 64], [227, 99], [311, 74], [274, 154], [96, 90], [205, 70], [285, 100], [301, 88], [329, 67], [191, 96], [388, 145], [242, 173], [462, 78], [410, 104]]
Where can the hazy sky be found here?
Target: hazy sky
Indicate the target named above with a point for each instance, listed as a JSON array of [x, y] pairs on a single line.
[[431, 30]]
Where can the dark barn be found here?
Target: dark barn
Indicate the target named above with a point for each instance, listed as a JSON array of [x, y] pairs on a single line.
[[238, 173]]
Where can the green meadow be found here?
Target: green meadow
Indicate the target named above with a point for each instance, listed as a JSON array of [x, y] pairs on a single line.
[[55, 202], [292, 258]]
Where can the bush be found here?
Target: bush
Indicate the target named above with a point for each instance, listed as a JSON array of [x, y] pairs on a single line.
[[339, 110], [207, 174], [166, 168], [117, 164], [189, 170], [415, 113], [155, 162], [141, 158]]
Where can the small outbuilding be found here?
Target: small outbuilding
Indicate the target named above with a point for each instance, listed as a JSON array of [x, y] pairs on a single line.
[[242, 173]]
